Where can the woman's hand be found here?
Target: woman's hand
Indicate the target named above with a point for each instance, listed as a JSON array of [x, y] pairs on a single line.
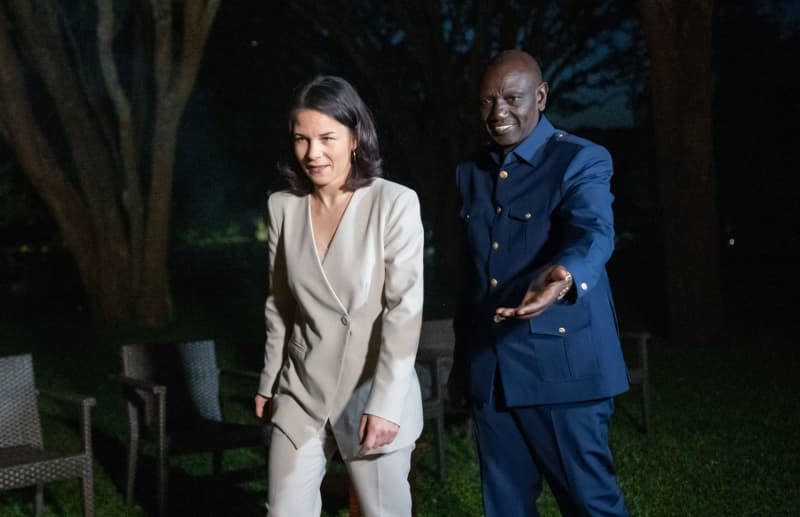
[[375, 432], [261, 403]]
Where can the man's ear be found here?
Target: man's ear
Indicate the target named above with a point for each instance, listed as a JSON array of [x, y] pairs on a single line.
[[541, 95]]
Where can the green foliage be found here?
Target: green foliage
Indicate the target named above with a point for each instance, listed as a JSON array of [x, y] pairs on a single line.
[[724, 442]]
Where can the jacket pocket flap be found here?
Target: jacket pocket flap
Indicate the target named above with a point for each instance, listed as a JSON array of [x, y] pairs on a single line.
[[561, 320], [520, 213]]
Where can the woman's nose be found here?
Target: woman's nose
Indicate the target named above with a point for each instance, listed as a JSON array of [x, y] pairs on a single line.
[[314, 149]]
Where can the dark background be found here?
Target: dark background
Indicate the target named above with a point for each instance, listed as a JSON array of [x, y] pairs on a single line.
[[233, 133]]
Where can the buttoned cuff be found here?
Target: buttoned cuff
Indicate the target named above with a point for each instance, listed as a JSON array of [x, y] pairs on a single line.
[[582, 279]]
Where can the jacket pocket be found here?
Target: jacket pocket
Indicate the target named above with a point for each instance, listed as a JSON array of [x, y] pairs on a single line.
[[521, 227], [297, 347], [563, 343]]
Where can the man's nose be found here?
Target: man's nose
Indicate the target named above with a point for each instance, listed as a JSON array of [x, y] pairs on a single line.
[[499, 109]]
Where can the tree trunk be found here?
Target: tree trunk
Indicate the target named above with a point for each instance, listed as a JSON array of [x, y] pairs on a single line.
[[679, 43], [117, 234]]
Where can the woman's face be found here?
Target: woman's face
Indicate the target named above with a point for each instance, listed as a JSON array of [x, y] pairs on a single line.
[[323, 148]]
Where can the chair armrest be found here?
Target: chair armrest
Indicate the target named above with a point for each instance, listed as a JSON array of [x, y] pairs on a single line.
[[139, 384], [86, 404], [72, 398]]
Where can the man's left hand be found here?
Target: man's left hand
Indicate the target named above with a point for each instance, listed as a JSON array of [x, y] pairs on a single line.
[[375, 432], [552, 285]]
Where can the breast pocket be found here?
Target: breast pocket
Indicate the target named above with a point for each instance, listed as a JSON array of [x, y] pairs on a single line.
[[563, 343], [521, 227]]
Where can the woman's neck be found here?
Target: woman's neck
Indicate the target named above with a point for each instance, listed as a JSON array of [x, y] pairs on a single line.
[[330, 196]]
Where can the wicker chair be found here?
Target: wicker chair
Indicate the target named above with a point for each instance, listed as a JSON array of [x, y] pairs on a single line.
[[23, 459], [435, 351], [635, 346], [192, 420]]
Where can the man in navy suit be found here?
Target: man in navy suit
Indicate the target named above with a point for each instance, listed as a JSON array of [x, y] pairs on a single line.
[[537, 351]]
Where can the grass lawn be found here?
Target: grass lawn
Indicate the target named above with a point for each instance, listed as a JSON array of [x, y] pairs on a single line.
[[725, 435]]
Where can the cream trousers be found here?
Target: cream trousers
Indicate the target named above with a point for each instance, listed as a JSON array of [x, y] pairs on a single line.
[[295, 476]]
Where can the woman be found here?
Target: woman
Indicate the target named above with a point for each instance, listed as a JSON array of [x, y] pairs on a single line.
[[343, 313]]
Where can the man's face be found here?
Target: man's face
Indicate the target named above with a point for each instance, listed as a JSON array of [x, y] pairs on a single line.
[[511, 97]]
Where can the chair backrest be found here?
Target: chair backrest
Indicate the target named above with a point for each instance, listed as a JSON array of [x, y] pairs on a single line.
[[19, 413], [189, 372], [436, 343], [437, 334], [635, 349]]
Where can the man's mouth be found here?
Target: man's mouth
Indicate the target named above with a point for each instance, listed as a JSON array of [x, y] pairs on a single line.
[[501, 129]]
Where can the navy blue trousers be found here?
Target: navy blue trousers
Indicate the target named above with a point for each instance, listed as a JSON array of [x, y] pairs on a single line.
[[566, 444]]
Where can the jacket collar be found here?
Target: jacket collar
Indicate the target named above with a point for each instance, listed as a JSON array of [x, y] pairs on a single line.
[[527, 149]]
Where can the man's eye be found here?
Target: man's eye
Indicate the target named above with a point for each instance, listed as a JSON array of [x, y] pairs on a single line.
[[328, 138], [298, 138], [512, 99], [485, 101]]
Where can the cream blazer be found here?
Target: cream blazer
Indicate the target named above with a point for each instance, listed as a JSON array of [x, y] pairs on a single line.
[[342, 334]]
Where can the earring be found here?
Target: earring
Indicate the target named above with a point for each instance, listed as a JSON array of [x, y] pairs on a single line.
[[354, 155]]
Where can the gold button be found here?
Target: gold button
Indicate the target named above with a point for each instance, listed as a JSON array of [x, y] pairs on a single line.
[[498, 209], [562, 330], [584, 286], [527, 215], [503, 175], [493, 282], [495, 245]]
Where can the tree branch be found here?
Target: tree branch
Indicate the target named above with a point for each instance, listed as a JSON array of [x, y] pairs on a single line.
[[197, 21], [42, 37], [131, 193], [35, 155], [162, 20]]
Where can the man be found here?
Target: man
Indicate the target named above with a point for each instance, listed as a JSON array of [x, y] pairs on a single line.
[[537, 348]]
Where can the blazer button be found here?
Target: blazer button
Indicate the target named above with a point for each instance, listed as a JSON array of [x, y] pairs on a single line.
[[562, 330], [584, 286], [503, 175], [527, 215], [495, 245], [345, 321], [493, 282], [498, 209]]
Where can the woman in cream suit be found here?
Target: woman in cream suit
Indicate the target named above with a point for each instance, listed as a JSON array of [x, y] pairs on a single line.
[[343, 313]]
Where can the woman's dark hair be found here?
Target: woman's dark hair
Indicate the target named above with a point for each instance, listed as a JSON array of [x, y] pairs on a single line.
[[336, 98]]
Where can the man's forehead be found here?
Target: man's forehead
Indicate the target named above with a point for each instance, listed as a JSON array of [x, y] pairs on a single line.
[[504, 77]]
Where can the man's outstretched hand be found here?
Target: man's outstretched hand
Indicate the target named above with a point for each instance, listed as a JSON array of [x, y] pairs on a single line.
[[552, 285]]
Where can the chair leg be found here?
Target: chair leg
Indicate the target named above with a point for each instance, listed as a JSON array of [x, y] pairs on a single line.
[[133, 458], [88, 492], [39, 502], [440, 459], [162, 468], [646, 406]]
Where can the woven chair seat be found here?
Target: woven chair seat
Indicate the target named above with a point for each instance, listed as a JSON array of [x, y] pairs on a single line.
[[172, 391], [24, 465], [23, 458]]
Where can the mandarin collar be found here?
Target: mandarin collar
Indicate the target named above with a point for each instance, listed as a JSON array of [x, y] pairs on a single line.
[[527, 149]]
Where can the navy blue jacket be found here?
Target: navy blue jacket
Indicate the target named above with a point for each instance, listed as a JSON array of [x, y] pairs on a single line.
[[546, 202]]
